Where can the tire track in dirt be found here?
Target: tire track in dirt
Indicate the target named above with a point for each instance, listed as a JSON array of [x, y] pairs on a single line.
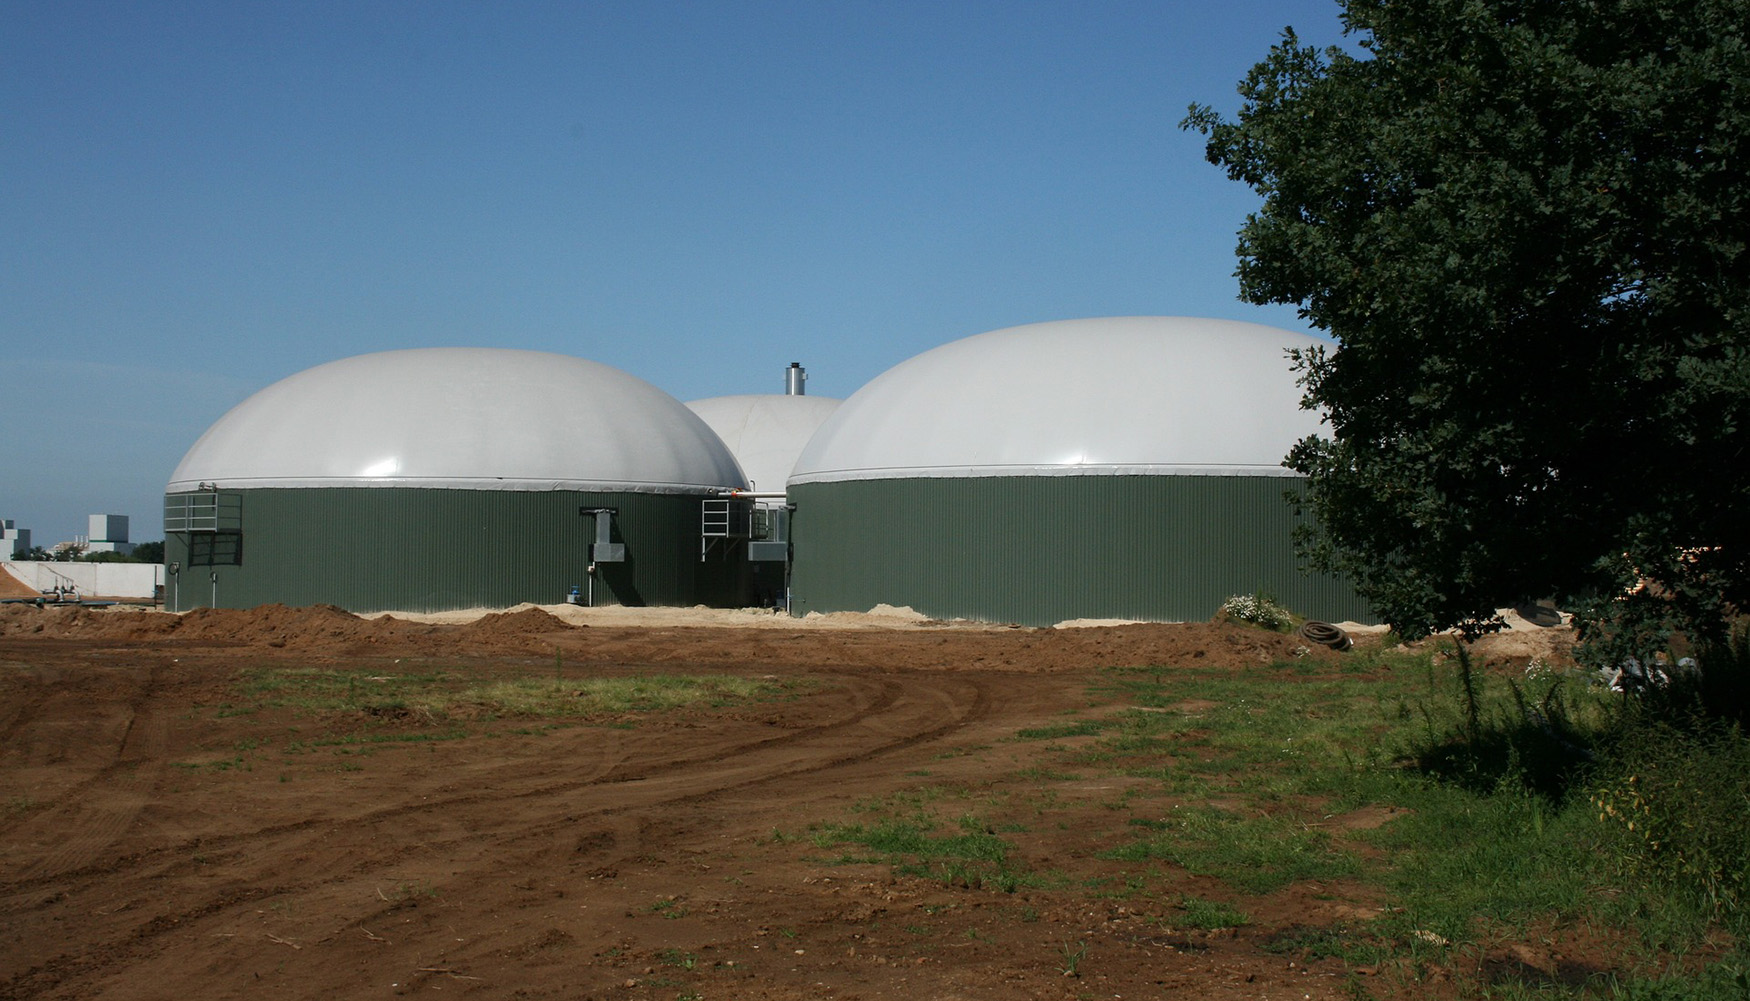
[[924, 712], [885, 698], [26, 692], [85, 825]]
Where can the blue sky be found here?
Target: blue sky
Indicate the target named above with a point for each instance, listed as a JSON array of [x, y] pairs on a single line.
[[199, 199]]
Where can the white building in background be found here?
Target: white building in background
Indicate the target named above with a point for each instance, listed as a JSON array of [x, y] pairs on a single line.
[[14, 542], [108, 534]]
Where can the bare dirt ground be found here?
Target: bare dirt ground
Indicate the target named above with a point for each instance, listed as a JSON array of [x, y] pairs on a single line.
[[154, 846]]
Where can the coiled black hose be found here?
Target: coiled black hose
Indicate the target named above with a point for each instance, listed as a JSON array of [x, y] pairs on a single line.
[[1325, 634]]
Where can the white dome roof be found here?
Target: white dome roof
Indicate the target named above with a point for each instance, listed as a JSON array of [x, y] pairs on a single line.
[[765, 433], [469, 418], [1117, 395]]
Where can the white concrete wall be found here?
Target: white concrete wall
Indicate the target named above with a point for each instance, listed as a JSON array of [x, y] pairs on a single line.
[[110, 580]]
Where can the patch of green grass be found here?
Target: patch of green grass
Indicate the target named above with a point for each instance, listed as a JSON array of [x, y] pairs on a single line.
[[1465, 813], [1080, 728], [1357, 948], [1722, 980], [912, 838], [975, 857], [607, 696], [1210, 915], [679, 958], [437, 695], [318, 690], [1259, 854], [411, 891], [217, 765], [1045, 775]]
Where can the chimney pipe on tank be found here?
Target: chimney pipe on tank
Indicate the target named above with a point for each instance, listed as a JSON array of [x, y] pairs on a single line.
[[794, 377]]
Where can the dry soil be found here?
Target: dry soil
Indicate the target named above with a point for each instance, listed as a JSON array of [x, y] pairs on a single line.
[[156, 844]]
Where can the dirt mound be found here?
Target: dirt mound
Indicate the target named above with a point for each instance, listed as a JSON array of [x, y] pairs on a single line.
[[313, 626], [526, 630], [327, 630], [1187, 644], [79, 622], [518, 623], [1522, 643], [317, 628], [12, 587], [1513, 649]]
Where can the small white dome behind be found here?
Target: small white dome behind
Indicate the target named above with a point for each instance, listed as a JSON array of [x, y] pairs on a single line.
[[765, 432], [1115, 395], [469, 418]]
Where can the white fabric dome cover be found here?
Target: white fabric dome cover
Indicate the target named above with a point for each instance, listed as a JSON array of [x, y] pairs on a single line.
[[469, 418], [765, 433], [1115, 395]]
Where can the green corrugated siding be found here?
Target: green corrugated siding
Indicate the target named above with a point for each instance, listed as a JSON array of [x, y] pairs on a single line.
[[412, 549], [1041, 549]]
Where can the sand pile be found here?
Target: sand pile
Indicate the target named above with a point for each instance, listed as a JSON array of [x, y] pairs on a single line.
[[12, 587]]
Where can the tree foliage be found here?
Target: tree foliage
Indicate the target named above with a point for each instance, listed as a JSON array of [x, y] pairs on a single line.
[[1524, 223], [108, 557]]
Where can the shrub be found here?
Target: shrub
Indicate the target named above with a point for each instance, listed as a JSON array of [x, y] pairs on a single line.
[[1258, 609]]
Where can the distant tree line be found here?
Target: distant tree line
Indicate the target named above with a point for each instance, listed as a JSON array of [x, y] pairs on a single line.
[[144, 552]]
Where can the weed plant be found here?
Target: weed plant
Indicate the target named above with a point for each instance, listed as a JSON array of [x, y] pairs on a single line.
[[1072, 956], [1534, 736]]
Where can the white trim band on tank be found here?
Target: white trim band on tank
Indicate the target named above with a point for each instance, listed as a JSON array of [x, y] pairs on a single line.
[[440, 483], [1085, 469]]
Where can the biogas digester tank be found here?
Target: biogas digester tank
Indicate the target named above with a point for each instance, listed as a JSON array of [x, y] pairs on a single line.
[[442, 478], [1115, 468]]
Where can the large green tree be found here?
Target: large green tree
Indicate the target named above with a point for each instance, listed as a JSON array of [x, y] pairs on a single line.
[[1524, 224]]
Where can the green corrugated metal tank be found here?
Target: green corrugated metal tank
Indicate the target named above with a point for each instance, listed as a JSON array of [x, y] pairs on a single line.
[[444, 478], [1114, 468]]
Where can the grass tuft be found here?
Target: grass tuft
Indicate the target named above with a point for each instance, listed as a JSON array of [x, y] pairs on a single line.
[[437, 696]]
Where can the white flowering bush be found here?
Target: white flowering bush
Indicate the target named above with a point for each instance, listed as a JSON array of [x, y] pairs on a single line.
[[1257, 609]]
